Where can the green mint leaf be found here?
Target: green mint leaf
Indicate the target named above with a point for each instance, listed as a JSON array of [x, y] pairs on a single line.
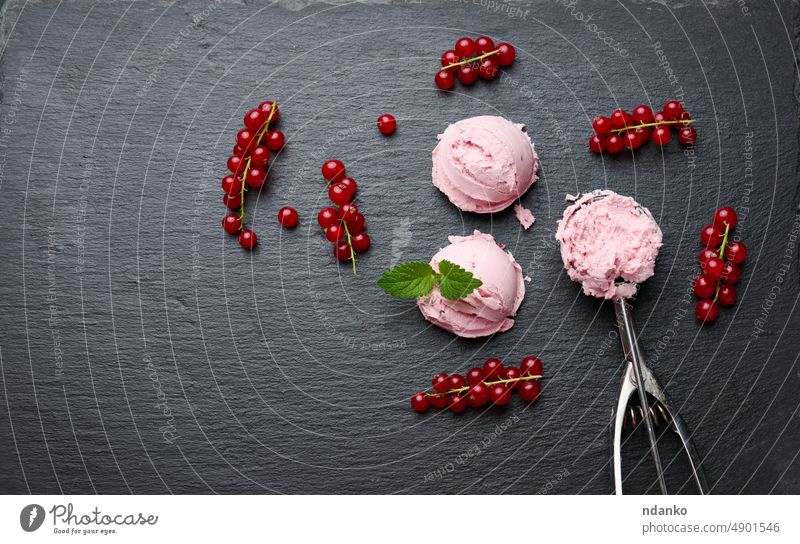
[[408, 280], [456, 282]]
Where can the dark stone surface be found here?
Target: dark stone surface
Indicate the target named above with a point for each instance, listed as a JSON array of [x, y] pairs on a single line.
[[122, 299]]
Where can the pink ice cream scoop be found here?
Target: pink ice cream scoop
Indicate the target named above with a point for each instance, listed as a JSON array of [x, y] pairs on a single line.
[[488, 308], [605, 236], [483, 164]]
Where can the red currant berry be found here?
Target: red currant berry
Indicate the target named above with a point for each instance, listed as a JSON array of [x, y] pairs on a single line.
[[355, 223], [506, 54], [631, 140], [440, 383], [601, 124], [248, 239], [684, 116], [467, 75], [614, 144], [266, 107], [511, 373], [597, 143], [488, 68], [727, 295], [725, 216], [707, 254], [530, 390], [335, 233], [450, 57], [348, 210], [439, 401], [621, 119], [339, 194], [387, 124], [659, 117], [499, 394], [531, 366], [333, 170], [706, 310], [736, 252], [444, 80], [342, 251], [254, 119], [711, 236], [643, 114], [731, 274], [232, 185], [456, 381], [244, 138], [644, 134], [260, 156], [478, 395], [475, 375], [687, 136], [420, 403], [235, 165], [713, 268], [287, 216], [274, 140], [256, 177], [351, 185], [232, 223], [662, 135], [704, 287], [465, 48], [238, 151], [672, 110], [492, 368], [327, 217], [483, 44], [234, 202], [360, 241], [458, 403]]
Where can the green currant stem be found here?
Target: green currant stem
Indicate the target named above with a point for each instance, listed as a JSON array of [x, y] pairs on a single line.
[[721, 256], [470, 61], [496, 382], [350, 245], [261, 134], [656, 124]]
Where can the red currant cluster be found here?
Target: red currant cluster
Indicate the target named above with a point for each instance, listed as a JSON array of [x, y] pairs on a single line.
[[719, 276], [625, 130], [493, 382], [471, 59], [248, 166], [343, 225]]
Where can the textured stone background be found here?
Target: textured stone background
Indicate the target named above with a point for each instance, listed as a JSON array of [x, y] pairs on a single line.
[[143, 351]]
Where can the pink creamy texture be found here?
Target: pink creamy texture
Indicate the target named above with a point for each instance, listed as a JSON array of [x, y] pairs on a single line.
[[609, 238], [488, 308], [483, 164], [524, 216]]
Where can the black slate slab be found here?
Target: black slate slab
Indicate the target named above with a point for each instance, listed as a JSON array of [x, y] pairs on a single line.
[[143, 351]]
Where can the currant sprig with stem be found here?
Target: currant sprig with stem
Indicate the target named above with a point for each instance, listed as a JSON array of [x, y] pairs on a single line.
[[487, 383], [722, 247], [249, 160], [470, 60], [654, 124]]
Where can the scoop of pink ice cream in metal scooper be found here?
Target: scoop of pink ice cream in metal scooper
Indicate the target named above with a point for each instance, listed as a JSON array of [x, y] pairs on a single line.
[[605, 238]]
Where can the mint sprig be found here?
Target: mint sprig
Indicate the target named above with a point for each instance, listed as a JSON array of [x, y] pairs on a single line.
[[414, 279]]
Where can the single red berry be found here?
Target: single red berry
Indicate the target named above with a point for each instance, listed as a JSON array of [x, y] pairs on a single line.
[[687, 136], [662, 135], [335, 233], [713, 268], [238, 151], [236, 165], [704, 287], [444, 80], [672, 110], [256, 177], [254, 119], [475, 375], [643, 114], [727, 295], [458, 403], [339, 194], [234, 202], [274, 140], [327, 217], [440, 383], [355, 223], [450, 57], [736, 252], [248, 239], [467, 75], [266, 107], [601, 124], [511, 373], [342, 251], [232, 223], [439, 401], [658, 117], [499, 394], [706, 254], [725, 216], [333, 170], [244, 138], [506, 54], [597, 143], [478, 395], [631, 140], [492, 367], [287, 216], [622, 119], [360, 241], [711, 236], [348, 210], [456, 381], [387, 124], [530, 390], [483, 44], [706, 310], [731, 274], [231, 185], [351, 185], [420, 403], [260, 156], [614, 144], [488, 68], [531, 366], [684, 116], [644, 134], [465, 48]]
